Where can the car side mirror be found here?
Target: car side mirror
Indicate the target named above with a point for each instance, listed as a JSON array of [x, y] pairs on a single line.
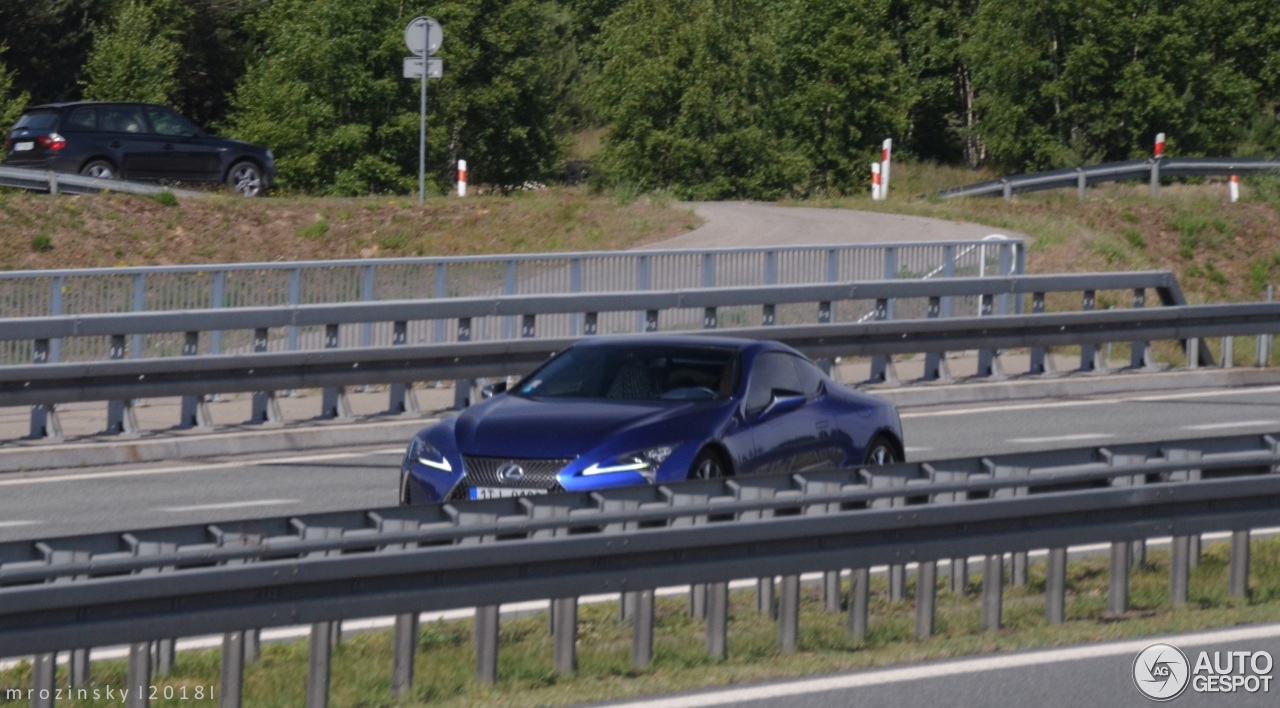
[[493, 389], [783, 401]]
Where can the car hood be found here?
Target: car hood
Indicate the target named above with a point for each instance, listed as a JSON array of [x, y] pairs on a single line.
[[511, 426]]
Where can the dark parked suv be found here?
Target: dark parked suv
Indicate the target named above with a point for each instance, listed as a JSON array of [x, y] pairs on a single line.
[[134, 141]]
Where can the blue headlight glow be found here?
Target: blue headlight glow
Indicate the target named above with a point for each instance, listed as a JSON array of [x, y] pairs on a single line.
[[644, 462], [424, 453]]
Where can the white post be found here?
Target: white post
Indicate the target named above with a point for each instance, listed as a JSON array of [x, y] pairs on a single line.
[[462, 178], [1159, 145], [886, 153], [875, 182], [1235, 188]]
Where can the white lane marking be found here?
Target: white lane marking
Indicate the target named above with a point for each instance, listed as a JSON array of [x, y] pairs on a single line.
[[1237, 424], [226, 505], [11, 524], [1062, 438], [1089, 402], [375, 623], [997, 662], [195, 467]]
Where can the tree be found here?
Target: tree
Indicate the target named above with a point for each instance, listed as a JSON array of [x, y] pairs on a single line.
[[136, 58], [48, 42], [11, 103]]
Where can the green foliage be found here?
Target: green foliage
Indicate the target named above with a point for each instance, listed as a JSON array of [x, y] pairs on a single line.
[[136, 58], [11, 103], [314, 230], [41, 242], [165, 198]]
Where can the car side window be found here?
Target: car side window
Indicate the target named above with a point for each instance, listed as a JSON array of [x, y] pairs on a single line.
[[811, 377], [166, 122], [83, 118], [123, 119], [771, 370]]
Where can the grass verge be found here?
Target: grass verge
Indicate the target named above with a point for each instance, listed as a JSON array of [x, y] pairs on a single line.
[[361, 665]]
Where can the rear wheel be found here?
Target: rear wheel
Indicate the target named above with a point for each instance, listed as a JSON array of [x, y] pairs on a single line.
[[881, 451], [245, 179], [99, 169], [709, 464]]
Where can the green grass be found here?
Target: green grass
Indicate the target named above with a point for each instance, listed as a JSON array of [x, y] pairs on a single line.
[[361, 665]]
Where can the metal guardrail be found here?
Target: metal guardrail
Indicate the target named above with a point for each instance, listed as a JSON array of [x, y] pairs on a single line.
[[227, 286], [1082, 177], [122, 380], [143, 586], [61, 183]]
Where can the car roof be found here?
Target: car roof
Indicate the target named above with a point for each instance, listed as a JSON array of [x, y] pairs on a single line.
[[71, 104], [704, 340]]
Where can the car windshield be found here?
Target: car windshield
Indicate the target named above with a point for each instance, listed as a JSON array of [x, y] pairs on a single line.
[[37, 120], [636, 372]]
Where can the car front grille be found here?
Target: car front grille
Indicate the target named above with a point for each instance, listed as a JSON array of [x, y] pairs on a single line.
[[538, 473]]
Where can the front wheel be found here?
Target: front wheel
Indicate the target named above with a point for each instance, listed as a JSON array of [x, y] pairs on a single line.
[[708, 465], [881, 451], [99, 169], [245, 179]]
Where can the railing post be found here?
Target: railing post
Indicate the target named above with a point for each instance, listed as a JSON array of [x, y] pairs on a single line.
[[765, 600], [121, 417], [45, 423], [43, 681], [318, 665], [139, 676], [79, 667], [1264, 340], [166, 653], [266, 408], [988, 360], [859, 597], [1179, 570], [232, 689], [405, 644], [1118, 582], [1039, 365], [401, 399], [333, 400], [642, 629], [992, 592], [1089, 352], [1239, 569], [831, 591], [195, 409], [1155, 178], [486, 639], [789, 614], [935, 363], [1081, 183], [566, 634], [881, 364], [926, 597], [718, 620], [1055, 586], [462, 387]]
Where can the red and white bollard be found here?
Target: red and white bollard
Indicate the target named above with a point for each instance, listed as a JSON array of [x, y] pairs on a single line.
[[886, 154], [462, 178], [876, 194], [1159, 145], [1235, 188]]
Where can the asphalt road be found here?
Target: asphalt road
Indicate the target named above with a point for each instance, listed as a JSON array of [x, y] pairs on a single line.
[[66, 502]]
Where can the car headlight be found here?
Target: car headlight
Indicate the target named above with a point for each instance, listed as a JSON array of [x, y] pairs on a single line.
[[644, 462], [424, 453]]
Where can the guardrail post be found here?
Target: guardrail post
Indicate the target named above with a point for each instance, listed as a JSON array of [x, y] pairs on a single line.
[[1155, 178], [1180, 570], [462, 387], [318, 665], [859, 597], [406, 642], [166, 653], [139, 674], [1041, 363], [1239, 568], [698, 601], [718, 620], [642, 629], [831, 591], [1118, 584], [43, 672], [266, 408], [935, 363], [992, 592], [232, 689], [959, 576], [1089, 352], [1081, 183], [1055, 586], [768, 315], [45, 423], [882, 369], [926, 597], [195, 409], [401, 399], [789, 614], [765, 600], [1228, 352], [121, 417], [566, 634], [486, 638], [253, 644], [988, 360], [334, 402], [1006, 189], [1264, 340], [590, 322], [1139, 352], [79, 667], [709, 320], [53, 182]]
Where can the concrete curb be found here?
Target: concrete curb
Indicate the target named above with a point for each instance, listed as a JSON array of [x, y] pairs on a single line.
[[382, 430]]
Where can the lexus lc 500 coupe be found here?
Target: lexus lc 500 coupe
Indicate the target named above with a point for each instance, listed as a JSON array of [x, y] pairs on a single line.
[[624, 410], [134, 141]]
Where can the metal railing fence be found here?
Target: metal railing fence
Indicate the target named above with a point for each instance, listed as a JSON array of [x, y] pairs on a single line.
[[1082, 177], [57, 182], [228, 286], [144, 586]]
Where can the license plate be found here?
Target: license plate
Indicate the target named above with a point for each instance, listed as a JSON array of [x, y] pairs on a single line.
[[502, 492], [24, 146]]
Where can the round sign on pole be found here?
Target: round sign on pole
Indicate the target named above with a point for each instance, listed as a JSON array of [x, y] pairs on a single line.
[[423, 36]]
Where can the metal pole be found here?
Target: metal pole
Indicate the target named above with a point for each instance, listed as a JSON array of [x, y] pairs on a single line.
[[232, 686], [422, 117]]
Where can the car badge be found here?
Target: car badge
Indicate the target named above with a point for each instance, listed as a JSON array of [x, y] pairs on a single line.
[[510, 473]]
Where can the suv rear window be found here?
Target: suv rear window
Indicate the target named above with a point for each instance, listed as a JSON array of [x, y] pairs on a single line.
[[83, 118], [38, 120]]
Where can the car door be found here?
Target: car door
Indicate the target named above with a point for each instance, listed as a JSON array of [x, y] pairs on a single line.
[[137, 152], [783, 434], [185, 155]]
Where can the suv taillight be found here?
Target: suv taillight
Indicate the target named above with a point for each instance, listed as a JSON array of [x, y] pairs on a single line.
[[52, 141]]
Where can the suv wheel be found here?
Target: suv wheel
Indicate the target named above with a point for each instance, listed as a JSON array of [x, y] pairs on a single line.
[[245, 179], [99, 169]]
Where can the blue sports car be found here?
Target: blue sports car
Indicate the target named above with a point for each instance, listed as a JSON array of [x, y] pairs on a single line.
[[614, 411]]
